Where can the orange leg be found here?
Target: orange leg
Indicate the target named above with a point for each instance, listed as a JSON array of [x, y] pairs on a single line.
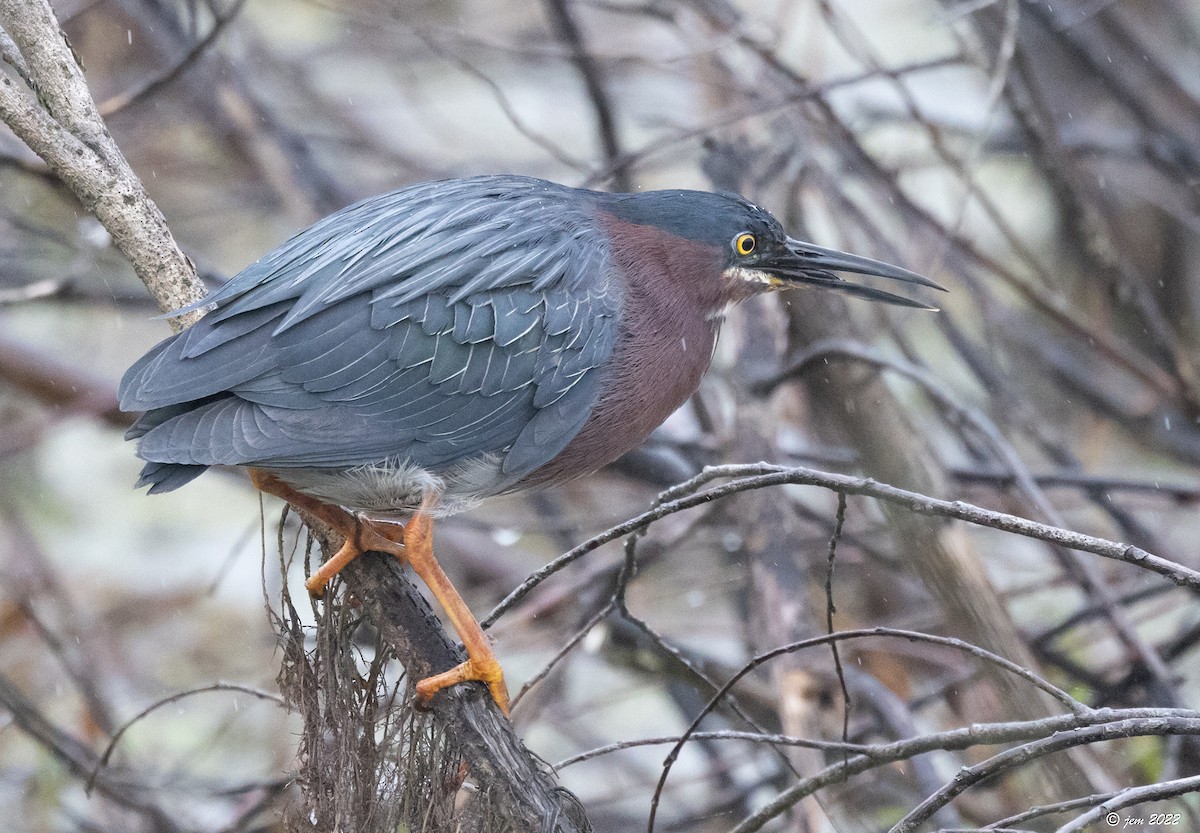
[[481, 663], [415, 548]]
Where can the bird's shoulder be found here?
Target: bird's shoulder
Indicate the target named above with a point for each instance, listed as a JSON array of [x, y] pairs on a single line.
[[453, 239]]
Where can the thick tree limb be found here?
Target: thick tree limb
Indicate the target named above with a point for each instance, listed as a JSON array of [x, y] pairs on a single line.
[[524, 790]]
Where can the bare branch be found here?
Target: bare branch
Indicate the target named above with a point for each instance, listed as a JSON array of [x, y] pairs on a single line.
[[64, 127], [1053, 733], [568, 30], [764, 475], [79, 759], [148, 88], [1131, 797], [523, 790], [1187, 723], [104, 758]]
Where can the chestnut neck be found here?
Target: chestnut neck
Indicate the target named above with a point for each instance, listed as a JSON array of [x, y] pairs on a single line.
[[674, 294]]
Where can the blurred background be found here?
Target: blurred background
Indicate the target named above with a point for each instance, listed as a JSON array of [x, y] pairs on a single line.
[[1042, 161]]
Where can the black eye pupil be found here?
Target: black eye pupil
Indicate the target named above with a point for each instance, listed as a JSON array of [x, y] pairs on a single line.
[[745, 244]]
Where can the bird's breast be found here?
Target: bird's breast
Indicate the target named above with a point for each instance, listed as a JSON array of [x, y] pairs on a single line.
[[667, 335]]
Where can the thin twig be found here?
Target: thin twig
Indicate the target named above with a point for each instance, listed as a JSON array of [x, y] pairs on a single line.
[[1059, 732], [830, 609], [144, 90], [589, 69], [104, 758], [80, 759], [1131, 797], [562, 652], [1187, 723], [1078, 709], [766, 475]]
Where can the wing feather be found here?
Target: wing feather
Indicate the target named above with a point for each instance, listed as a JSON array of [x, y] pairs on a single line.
[[434, 324]]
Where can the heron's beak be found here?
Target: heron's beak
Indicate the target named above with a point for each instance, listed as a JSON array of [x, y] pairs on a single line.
[[804, 263]]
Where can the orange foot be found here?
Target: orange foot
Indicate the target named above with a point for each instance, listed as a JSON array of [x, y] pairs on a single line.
[[414, 546]]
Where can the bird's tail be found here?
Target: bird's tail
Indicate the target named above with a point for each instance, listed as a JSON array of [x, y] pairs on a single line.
[[167, 477]]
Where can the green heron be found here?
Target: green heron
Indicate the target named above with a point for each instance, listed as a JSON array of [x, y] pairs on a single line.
[[419, 351]]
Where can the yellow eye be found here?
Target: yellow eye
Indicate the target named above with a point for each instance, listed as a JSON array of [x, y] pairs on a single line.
[[744, 244]]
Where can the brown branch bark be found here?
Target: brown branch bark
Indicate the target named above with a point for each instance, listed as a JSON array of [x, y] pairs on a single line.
[[523, 790]]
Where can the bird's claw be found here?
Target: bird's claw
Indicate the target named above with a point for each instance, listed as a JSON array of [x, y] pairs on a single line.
[[484, 669]]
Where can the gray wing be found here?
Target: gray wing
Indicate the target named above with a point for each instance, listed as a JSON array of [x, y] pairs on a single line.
[[434, 324]]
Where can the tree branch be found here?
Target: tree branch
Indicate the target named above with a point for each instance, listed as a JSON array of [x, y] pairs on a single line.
[[64, 128], [523, 790], [1183, 724], [81, 761], [763, 475], [589, 69]]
